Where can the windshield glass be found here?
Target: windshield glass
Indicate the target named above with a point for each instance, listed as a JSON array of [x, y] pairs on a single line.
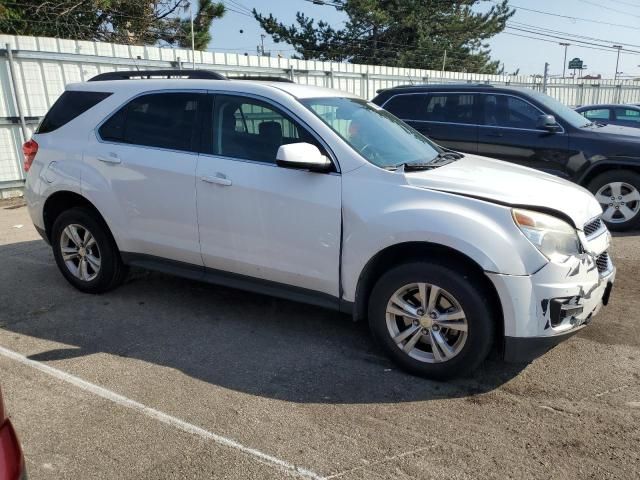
[[378, 136], [570, 116]]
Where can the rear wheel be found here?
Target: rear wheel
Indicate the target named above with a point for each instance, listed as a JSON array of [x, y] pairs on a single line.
[[618, 192], [432, 320], [85, 252]]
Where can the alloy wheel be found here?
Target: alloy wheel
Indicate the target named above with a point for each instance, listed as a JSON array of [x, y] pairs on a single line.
[[80, 252], [619, 200], [426, 322]]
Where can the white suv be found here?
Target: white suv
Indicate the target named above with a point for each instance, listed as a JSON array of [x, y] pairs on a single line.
[[316, 196]]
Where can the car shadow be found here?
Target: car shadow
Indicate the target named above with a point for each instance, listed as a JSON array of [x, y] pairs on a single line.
[[242, 341]]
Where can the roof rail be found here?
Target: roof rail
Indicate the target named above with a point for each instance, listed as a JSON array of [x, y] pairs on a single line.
[[146, 74], [263, 78]]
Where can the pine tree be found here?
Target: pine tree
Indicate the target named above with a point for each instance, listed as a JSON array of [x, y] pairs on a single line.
[[402, 33]]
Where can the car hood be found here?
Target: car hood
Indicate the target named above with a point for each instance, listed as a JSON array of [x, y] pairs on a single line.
[[509, 184], [620, 132]]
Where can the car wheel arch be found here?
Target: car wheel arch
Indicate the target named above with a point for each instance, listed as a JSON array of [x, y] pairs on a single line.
[[603, 166], [412, 251], [62, 201]]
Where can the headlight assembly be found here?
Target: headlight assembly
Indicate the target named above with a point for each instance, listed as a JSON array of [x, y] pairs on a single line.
[[555, 238]]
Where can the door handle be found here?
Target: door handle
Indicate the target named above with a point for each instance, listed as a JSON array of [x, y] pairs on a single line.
[[110, 158], [219, 179]]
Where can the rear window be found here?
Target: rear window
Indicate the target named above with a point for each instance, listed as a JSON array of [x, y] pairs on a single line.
[[163, 120], [69, 106]]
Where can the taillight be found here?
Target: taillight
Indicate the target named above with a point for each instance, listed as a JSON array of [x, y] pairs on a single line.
[[29, 149]]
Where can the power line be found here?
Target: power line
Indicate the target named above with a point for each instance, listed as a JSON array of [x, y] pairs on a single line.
[[609, 8], [541, 12]]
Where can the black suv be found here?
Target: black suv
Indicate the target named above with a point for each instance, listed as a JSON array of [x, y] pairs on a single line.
[[529, 128]]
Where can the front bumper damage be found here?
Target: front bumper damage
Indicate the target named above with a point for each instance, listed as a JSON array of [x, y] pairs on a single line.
[[545, 308]]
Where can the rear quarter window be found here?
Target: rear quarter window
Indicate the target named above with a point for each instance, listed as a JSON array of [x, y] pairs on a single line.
[[70, 105]]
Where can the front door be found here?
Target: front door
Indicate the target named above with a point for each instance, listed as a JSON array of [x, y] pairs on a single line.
[[258, 219], [508, 132]]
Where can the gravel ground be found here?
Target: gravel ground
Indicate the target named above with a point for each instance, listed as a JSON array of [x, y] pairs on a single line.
[[167, 378]]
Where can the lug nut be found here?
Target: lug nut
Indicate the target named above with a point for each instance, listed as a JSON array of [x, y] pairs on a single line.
[[420, 311], [435, 328]]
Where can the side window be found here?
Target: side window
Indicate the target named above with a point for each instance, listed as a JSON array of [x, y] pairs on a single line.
[[508, 111], [163, 120], [70, 105], [407, 106], [249, 129], [598, 114], [450, 107], [628, 115]]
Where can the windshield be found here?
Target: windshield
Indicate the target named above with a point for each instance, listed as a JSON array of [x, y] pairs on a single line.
[[570, 116], [378, 136]]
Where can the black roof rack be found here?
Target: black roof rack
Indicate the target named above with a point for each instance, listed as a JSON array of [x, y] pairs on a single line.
[[262, 78], [146, 74]]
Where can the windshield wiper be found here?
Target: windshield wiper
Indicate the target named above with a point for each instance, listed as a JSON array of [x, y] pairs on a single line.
[[443, 158]]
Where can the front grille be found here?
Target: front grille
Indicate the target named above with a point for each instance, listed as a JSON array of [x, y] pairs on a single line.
[[592, 227], [602, 262]]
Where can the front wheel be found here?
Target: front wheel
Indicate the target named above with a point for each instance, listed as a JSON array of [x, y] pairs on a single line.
[[433, 321], [618, 192]]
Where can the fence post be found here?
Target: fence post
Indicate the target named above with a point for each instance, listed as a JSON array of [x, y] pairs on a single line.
[[292, 75], [16, 96], [618, 92]]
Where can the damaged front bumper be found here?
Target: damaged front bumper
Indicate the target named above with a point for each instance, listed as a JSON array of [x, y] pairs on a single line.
[[545, 308]]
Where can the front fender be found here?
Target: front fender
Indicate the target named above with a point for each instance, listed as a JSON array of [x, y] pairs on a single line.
[[483, 231]]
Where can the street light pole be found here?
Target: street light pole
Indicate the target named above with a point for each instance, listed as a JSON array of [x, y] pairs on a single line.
[[618, 47], [564, 64], [193, 38]]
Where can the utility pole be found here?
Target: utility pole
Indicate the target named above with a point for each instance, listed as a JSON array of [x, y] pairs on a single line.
[[618, 47], [546, 76], [444, 61], [262, 37], [564, 64], [193, 38]]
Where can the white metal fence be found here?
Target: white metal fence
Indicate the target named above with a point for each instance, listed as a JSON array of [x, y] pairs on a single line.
[[41, 67]]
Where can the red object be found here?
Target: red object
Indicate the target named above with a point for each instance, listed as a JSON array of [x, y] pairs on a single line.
[[11, 458], [29, 149]]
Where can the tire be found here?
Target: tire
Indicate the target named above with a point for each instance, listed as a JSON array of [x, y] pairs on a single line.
[[460, 292], [621, 189], [103, 269]]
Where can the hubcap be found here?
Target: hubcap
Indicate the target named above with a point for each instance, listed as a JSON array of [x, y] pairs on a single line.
[[426, 322], [80, 252], [619, 200]]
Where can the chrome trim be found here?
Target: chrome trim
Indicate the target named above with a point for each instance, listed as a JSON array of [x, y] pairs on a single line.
[[431, 92]]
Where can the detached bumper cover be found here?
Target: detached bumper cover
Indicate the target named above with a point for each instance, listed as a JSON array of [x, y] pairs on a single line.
[[546, 308]]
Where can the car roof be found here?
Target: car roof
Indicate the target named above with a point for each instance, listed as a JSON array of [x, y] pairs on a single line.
[[266, 88], [449, 87], [609, 105]]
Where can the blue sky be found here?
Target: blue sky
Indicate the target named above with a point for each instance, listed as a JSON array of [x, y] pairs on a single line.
[[516, 52]]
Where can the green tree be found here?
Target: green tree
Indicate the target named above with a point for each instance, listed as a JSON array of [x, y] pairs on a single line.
[[402, 33], [145, 22], [206, 13]]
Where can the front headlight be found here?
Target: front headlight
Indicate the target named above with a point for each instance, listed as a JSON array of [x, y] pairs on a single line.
[[555, 238]]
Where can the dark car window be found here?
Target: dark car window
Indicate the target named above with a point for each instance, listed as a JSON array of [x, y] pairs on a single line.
[[164, 120], [450, 108], [408, 106], [628, 115], [597, 114], [249, 129], [70, 105], [509, 111]]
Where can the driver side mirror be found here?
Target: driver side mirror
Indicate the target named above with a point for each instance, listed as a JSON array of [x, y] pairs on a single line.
[[547, 122], [302, 156]]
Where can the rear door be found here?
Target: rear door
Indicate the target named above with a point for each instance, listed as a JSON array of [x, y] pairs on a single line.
[[450, 119], [508, 132], [142, 166]]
